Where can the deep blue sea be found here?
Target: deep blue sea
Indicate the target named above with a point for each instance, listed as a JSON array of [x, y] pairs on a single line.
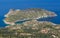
[[51, 5]]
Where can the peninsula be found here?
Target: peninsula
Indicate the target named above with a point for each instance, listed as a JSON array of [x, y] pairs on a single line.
[[28, 14], [31, 28]]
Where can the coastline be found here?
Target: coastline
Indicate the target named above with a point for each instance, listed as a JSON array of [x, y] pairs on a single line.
[[12, 23], [49, 14]]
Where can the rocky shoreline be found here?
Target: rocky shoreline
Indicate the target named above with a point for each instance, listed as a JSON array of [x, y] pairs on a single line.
[[32, 28], [39, 13]]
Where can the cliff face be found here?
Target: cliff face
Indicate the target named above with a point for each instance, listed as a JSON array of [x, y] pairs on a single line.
[[30, 28]]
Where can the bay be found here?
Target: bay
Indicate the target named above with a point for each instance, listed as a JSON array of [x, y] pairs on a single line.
[[51, 5]]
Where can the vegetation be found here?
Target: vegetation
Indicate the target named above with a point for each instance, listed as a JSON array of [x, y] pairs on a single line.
[[31, 27], [18, 15]]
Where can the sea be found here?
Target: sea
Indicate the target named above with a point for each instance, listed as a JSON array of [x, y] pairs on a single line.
[[50, 5]]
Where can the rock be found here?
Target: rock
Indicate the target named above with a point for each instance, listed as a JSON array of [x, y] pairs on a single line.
[[34, 13]]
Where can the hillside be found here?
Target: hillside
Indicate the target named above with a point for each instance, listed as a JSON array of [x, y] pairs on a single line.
[[31, 29], [24, 24]]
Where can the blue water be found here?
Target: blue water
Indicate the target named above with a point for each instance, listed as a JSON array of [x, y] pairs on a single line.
[[52, 5]]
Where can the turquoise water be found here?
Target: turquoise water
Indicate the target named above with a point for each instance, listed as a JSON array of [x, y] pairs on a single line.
[[52, 5]]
